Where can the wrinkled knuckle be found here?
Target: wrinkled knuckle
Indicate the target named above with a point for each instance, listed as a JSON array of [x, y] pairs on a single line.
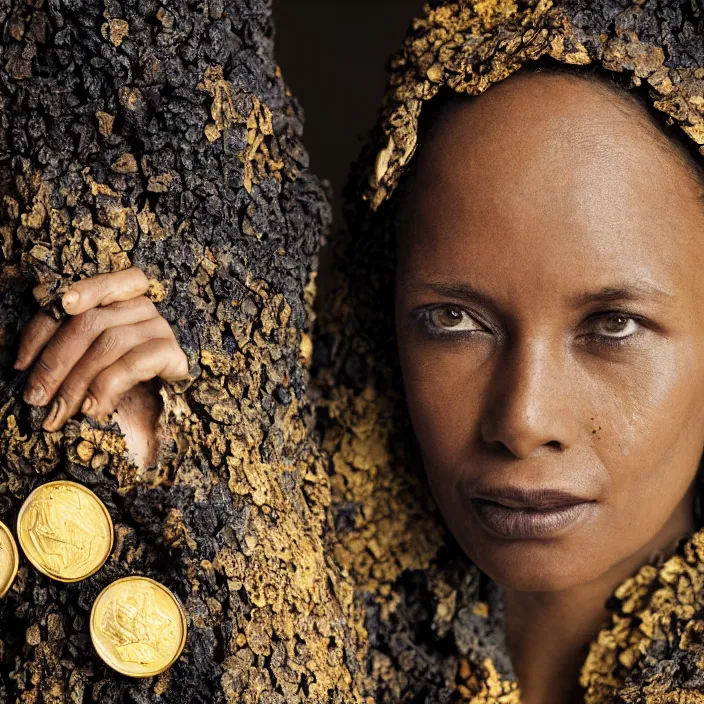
[[61, 338], [89, 324], [108, 342], [117, 306], [95, 287]]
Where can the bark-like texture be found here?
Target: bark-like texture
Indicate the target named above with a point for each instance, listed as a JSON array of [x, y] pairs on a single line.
[[435, 622], [163, 135]]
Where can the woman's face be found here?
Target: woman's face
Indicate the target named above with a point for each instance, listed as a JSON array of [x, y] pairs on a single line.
[[549, 318]]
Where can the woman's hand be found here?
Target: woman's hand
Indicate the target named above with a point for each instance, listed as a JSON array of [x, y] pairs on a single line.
[[113, 339]]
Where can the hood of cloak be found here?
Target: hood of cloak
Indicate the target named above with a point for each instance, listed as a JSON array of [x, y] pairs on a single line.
[[435, 622]]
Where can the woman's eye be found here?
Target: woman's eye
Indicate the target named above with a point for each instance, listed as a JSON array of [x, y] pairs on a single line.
[[616, 326], [610, 328], [450, 319]]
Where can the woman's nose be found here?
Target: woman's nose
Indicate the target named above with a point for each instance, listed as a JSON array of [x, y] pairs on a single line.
[[528, 404]]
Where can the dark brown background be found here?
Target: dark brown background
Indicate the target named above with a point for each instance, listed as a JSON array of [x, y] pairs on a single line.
[[333, 55]]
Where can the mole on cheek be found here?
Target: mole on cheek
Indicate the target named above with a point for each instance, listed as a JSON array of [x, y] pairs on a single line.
[[596, 429]]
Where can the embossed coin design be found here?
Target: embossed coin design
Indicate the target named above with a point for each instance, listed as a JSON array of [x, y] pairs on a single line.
[[9, 559], [65, 531], [138, 627]]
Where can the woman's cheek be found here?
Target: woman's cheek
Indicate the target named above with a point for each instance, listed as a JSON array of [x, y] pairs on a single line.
[[653, 401], [649, 436], [443, 392]]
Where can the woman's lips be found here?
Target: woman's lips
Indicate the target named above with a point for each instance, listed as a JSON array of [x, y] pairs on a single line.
[[530, 522]]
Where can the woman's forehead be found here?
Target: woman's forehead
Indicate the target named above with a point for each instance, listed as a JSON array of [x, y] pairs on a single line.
[[554, 109], [553, 174]]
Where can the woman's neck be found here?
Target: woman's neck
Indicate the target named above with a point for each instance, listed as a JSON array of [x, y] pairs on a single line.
[[564, 623]]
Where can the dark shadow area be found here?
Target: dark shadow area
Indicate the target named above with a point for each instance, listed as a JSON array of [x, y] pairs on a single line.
[[333, 55]]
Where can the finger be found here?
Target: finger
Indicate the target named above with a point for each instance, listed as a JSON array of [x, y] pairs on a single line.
[[104, 289], [34, 336], [161, 358], [73, 338], [112, 344]]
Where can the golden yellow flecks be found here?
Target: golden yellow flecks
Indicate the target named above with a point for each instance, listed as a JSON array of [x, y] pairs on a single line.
[[105, 122], [260, 156], [258, 159], [483, 684], [125, 164], [222, 109], [117, 30]]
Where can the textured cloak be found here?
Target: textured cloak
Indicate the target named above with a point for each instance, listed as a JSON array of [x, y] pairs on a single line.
[[434, 621]]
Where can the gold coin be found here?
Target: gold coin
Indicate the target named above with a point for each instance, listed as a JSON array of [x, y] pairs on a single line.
[[65, 531], [138, 627], [9, 559]]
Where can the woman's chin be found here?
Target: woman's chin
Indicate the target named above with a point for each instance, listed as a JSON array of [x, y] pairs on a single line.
[[531, 580], [535, 566]]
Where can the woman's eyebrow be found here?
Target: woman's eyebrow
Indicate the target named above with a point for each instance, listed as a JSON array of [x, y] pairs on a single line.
[[631, 291], [451, 289]]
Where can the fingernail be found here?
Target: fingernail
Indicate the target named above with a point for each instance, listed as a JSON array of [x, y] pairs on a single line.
[[34, 395], [50, 423], [69, 299], [87, 405]]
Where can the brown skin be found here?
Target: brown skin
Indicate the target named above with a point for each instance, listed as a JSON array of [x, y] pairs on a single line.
[[544, 188], [100, 357]]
